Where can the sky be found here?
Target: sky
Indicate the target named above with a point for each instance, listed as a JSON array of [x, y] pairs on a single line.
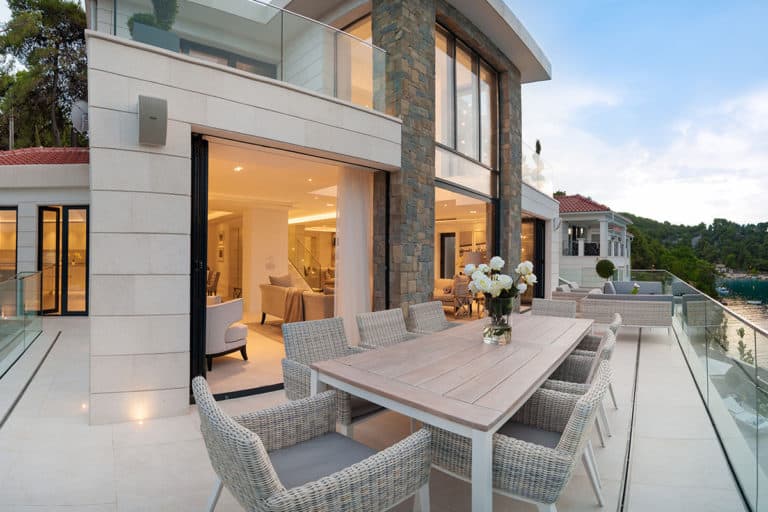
[[657, 108]]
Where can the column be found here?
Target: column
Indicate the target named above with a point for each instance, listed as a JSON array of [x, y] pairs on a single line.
[[603, 238], [354, 248]]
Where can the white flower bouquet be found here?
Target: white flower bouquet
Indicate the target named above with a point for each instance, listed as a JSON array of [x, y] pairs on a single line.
[[488, 279]]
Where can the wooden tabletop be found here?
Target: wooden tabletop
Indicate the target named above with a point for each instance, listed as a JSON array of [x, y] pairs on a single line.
[[454, 375]]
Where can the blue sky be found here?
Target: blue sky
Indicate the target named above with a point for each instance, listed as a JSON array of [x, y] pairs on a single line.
[[659, 108]]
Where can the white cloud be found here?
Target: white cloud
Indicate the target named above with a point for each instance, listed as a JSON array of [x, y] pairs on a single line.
[[713, 164]]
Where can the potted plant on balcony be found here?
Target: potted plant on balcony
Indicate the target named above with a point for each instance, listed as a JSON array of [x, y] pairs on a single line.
[[154, 28]]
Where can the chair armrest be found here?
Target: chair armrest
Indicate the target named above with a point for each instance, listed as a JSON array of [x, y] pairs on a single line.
[[590, 342], [292, 422], [357, 349], [575, 368], [367, 347], [296, 377], [547, 409], [376, 483]]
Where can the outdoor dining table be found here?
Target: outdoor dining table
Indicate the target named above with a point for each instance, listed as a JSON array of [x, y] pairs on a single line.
[[454, 381]]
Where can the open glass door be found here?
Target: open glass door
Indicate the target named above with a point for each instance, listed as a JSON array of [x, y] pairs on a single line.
[[49, 258]]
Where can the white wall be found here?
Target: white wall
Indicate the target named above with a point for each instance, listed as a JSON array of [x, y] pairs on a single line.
[[265, 253], [140, 197]]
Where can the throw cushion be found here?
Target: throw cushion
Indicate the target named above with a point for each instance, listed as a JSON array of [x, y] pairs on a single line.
[[609, 288], [284, 281], [236, 332], [564, 288]]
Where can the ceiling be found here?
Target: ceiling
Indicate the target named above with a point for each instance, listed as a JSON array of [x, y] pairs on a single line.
[[305, 185], [452, 206]]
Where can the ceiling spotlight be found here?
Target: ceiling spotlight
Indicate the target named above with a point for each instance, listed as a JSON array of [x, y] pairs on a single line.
[[328, 204], [238, 168], [309, 180], [472, 211]]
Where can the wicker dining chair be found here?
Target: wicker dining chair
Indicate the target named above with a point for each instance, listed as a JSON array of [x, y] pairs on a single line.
[[428, 317], [383, 328], [550, 307], [535, 454], [320, 340], [592, 343], [289, 459]]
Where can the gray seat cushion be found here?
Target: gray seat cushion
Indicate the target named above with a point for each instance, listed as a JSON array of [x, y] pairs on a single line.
[[361, 408], [530, 434], [236, 332], [322, 456], [608, 288]]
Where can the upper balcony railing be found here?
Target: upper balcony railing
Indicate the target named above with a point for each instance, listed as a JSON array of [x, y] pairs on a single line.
[[728, 358], [537, 172], [256, 38]]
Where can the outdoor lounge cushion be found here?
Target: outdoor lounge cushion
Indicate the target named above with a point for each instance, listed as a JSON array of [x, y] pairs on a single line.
[[530, 434], [646, 287], [284, 281], [312, 460], [608, 288], [235, 332]]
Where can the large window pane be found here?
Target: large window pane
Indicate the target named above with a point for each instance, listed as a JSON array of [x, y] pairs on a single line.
[[460, 170], [467, 136], [77, 257], [488, 97], [7, 243], [354, 66], [443, 88]]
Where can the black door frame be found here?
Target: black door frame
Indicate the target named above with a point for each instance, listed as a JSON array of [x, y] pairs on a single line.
[[443, 237], [199, 255], [62, 255], [56, 265], [540, 257]]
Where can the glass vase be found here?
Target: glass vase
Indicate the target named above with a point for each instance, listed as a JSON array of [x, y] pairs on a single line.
[[499, 331]]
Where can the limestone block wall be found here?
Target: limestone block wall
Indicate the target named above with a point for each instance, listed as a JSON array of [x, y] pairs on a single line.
[[141, 204]]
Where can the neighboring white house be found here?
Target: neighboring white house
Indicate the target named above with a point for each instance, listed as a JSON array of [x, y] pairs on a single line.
[[590, 232]]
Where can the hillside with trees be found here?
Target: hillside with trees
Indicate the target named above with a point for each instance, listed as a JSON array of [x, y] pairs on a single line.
[[691, 252]]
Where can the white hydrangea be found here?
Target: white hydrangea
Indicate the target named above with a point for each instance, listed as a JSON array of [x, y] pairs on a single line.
[[470, 269], [484, 268], [530, 279], [521, 288], [505, 281], [524, 268], [497, 263], [483, 283]]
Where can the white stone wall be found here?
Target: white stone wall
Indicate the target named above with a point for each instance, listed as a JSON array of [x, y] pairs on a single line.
[[140, 202]]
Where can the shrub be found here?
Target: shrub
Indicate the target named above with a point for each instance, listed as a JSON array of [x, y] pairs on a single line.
[[605, 268]]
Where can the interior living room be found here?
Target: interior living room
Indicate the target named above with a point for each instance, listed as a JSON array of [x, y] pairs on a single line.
[[272, 250]]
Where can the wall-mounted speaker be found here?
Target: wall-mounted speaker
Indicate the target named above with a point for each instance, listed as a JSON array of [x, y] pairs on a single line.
[[153, 120]]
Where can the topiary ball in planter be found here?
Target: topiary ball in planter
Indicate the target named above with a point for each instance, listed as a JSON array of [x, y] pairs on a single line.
[[605, 268]]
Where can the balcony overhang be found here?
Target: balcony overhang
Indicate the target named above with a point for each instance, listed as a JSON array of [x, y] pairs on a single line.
[[499, 23]]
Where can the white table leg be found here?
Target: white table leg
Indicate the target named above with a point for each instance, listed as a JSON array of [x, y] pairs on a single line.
[[315, 386], [482, 472]]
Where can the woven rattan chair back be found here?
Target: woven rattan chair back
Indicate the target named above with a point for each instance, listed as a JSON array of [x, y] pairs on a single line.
[[315, 340], [579, 426], [237, 455], [549, 307], [382, 328], [615, 324], [427, 317]]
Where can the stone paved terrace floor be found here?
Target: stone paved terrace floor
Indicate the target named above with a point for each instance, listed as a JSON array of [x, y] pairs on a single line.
[[52, 460]]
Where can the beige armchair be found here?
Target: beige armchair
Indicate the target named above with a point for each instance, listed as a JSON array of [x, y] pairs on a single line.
[[223, 331], [317, 306], [272, 301]]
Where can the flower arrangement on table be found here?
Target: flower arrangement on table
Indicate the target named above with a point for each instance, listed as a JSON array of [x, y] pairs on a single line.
[[500, 291]]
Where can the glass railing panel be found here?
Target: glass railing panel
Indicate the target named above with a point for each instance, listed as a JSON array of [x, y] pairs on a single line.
[[12, 341], [30, 289], [732, 394], [537, 172], [257, 38], [761, 362]]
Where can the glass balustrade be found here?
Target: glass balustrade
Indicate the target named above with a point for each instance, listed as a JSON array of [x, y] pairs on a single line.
[[20, 323], [257, 38], [728, 358], [537, 172]]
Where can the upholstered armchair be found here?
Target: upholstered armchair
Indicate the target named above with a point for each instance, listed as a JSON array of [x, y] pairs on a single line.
[[223, 331]]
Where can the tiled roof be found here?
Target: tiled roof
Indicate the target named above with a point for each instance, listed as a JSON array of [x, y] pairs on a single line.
[[578, 203], [44, 156]]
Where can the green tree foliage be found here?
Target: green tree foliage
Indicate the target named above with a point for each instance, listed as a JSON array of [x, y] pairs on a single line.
[[46, 38]]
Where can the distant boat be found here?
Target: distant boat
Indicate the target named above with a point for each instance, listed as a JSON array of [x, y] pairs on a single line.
[[722, 290], [754, 302]]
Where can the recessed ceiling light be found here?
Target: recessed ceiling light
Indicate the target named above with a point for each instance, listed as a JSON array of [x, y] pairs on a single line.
[[328, 204], [472, 211], [309, 179], [238, 168]]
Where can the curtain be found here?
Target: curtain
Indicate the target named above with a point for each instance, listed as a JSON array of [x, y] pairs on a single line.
[[354, 243]]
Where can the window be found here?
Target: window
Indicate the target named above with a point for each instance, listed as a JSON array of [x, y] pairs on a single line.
[[7, 243], [466, 102]]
